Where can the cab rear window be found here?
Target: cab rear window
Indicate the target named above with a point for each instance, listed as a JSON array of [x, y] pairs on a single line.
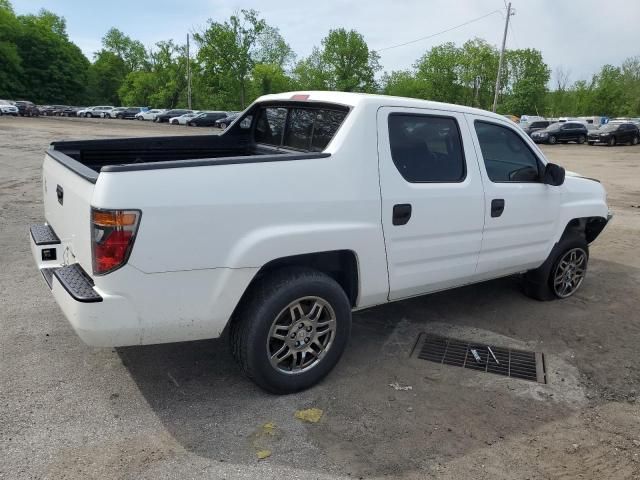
[[299, 128]]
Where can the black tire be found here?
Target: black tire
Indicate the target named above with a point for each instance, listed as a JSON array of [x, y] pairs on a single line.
[[538, 283], [611, 142], [581, 139], [592, 143], [267, 301], [120, 117], [635, 140], [553, 140], [223, 126]]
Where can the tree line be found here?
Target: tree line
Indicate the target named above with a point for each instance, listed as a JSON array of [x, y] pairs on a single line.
[[243, 57]]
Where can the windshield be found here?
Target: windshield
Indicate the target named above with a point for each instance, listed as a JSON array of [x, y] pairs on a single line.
[[553, 127], [609, 127]]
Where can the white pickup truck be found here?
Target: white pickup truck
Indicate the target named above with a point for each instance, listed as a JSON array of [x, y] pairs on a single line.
[[310, 205]]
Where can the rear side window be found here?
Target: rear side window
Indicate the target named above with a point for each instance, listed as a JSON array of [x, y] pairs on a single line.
[[507, 157], [426, 148]]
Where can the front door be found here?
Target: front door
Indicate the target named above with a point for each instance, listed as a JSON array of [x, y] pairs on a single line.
[[520, 211], [432, 199]]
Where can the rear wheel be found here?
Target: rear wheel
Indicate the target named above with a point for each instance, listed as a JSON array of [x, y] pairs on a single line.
[[553, 140], [612, 142], [291, 329], [562, 274]]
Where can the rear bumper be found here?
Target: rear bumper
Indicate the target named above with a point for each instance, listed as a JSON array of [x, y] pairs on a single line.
[[129, 307]]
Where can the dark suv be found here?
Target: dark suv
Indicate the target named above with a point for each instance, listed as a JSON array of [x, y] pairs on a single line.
[[27, 109], [615, 133], [561, 133], [535, 126], [129, 113], [164, 117]]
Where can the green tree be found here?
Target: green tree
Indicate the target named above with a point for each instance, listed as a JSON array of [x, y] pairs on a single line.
[[477, 73], [312, 73], [54, 69], [227, 54], [105, 77], [163, 84], [132, 52], [404, 83], [526, 88], [440, 70], [11, 73], [350, 65]]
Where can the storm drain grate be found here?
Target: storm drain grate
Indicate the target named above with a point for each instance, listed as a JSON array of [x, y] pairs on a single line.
[[477, 356]]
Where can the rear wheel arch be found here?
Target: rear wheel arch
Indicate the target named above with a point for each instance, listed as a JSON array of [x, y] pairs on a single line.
[[341, 265]]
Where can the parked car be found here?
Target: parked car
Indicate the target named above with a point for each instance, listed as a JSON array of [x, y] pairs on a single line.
[[425, 196], [70, 112], [615, 133], [226, 121], [53, 110], [534, 126], [8, 108], [27, 109], [149, 114], [569, 131], [206, 119], [128, 113], [169, 114], [183, 119], [114, 113], [99, 112]]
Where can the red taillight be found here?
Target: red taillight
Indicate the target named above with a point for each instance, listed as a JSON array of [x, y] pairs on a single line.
[[113, 234]]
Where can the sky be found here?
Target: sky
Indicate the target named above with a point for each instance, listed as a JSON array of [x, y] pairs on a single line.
[[577, 35]]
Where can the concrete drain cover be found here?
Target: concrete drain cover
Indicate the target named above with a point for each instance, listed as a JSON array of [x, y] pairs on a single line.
[[485, 358]]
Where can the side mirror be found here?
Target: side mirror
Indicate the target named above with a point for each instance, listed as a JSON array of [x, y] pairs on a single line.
[[553, 175]]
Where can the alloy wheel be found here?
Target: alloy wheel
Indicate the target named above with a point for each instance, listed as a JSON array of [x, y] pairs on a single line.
[[301, 335], [570, 272]]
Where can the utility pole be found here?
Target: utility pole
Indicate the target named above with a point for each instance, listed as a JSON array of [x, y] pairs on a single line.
[[504, 41], [189, 76]]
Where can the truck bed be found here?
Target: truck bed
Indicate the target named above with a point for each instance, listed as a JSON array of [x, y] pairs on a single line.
[[96, 154], [88, 158]]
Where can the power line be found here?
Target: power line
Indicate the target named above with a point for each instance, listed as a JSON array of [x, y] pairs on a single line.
[[439, 33]]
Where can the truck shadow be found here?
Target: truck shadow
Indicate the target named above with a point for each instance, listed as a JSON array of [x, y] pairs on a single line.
[[368, 428]]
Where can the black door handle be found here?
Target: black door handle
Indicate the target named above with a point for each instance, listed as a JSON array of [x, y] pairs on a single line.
[[497, 207], [401, 213], [60, 194]]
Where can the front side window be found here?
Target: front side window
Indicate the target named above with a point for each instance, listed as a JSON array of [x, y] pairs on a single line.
[[426, 148], [507, 158]]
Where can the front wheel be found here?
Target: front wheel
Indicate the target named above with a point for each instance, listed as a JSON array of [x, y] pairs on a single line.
[[592, 143], [563, 273], [553, 140], [291, 329], [223, 126], [612, 142], [635, 140], [582, 139]]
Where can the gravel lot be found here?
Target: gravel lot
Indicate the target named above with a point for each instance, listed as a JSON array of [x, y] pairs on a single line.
[[184, 411]]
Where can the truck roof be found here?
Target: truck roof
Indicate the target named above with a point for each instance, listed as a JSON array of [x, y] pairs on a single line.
[[358, 99]]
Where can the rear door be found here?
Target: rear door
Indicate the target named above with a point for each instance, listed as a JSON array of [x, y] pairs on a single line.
[[520, 211], [432, 199]]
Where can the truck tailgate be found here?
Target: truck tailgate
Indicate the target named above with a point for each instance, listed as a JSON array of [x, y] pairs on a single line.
[[67, 209]]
